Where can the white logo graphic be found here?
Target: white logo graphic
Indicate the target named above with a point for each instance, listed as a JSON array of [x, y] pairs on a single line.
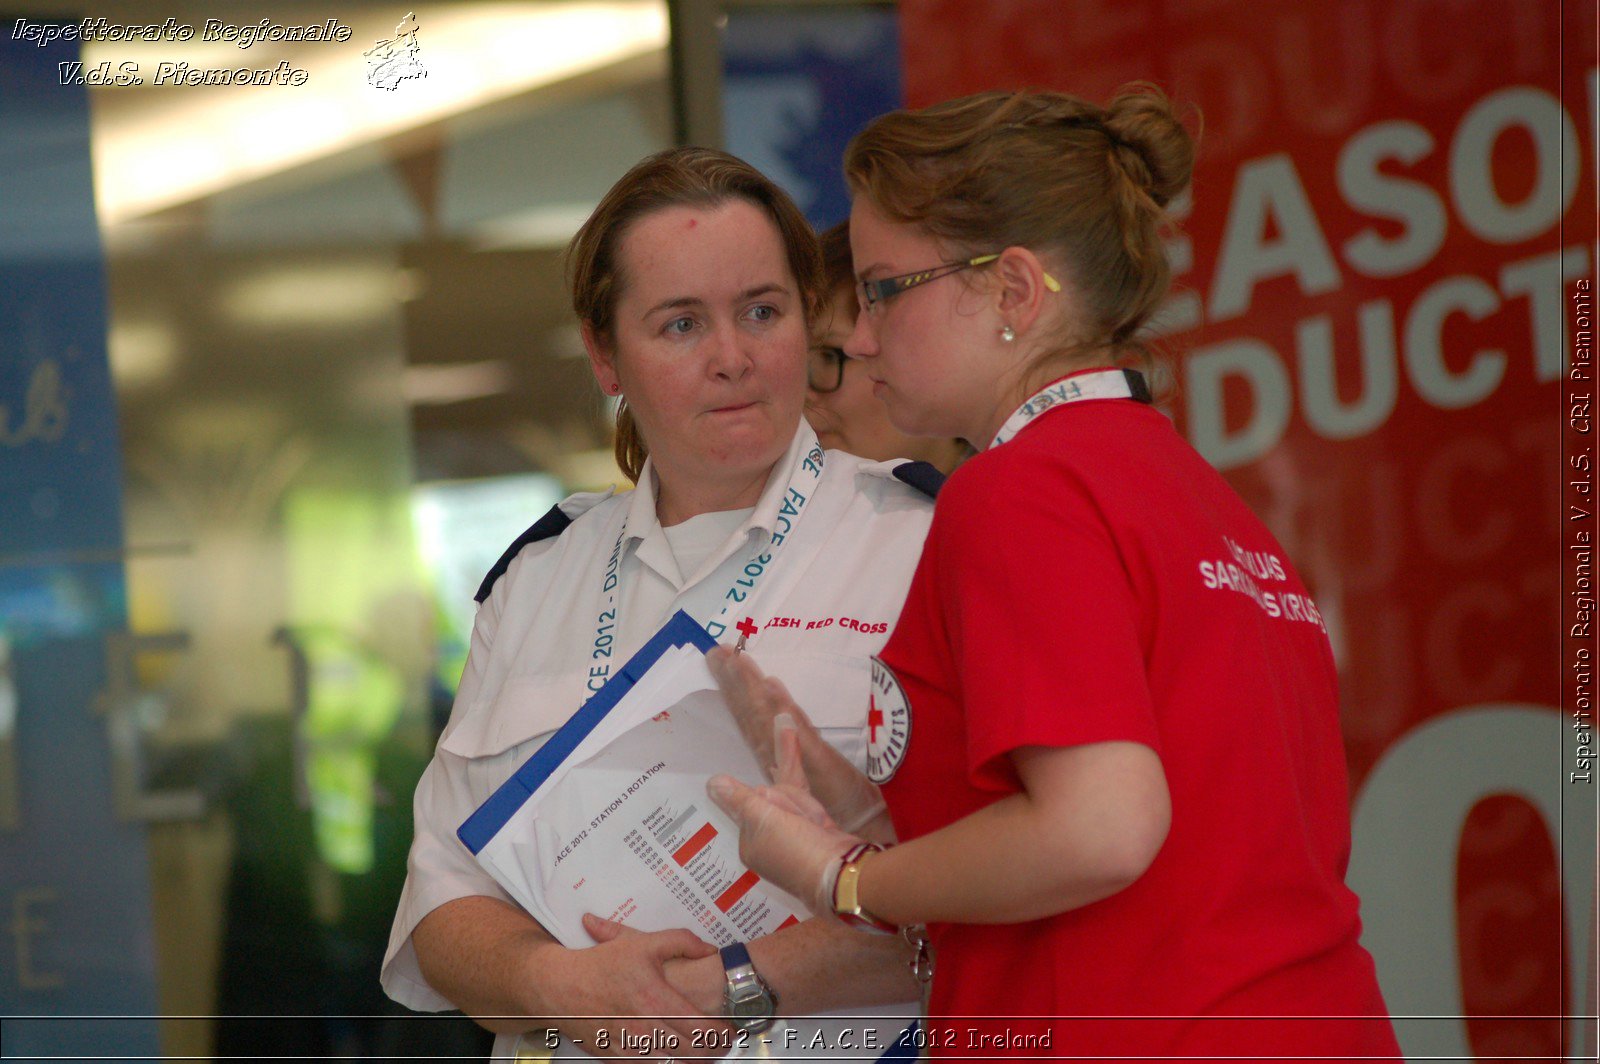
[[393, 61], [888, 724]]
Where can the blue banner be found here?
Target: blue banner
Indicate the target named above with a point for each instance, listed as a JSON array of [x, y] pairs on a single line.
[[798, 83], [74, 879]]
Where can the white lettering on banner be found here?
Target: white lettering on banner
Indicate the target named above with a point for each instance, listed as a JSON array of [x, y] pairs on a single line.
[[1417, 208], [1542, 280], [1424, 347], [1257, 366], [1319, 381], [1472, 184], [1407, 826], [1456, 521], [1266, 190], [1270, 189], [1271, 232]]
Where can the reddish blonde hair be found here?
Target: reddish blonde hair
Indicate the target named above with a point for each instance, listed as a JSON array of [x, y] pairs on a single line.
[[677, 177], [1046, 171]]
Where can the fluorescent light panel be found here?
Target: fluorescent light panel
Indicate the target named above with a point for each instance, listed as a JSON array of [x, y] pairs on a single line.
[[200, 140]]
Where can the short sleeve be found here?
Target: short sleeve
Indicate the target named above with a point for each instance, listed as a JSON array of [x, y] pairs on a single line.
[[1044, 619], [439, 868]]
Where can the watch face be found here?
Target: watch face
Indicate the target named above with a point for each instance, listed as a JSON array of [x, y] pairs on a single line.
[[753, 1013], [753, 1022], [758, 1007]]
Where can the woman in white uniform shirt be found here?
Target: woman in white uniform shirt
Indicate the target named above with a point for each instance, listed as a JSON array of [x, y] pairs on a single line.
[[696, 281]]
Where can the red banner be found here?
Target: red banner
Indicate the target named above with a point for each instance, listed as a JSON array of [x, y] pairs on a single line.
[[1381, 285]]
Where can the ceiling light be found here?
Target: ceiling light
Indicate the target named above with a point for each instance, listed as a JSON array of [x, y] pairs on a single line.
[[336, 294], [440, 383], [184, 145], [550, 226]]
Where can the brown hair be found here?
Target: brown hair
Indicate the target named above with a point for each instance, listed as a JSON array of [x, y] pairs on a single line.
[[677, 177], [1045, 171], [838, 269]]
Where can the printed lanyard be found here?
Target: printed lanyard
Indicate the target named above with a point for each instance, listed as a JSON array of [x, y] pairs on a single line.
[[1100, 384], [797, 493]]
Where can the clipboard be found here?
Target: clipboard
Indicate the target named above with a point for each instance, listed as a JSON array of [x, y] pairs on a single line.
[[486, 821]]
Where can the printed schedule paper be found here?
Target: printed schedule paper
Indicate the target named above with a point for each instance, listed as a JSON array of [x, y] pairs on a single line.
[[611, 816]]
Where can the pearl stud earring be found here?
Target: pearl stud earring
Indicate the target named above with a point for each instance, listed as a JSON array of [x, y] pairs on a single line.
[[1007, 333]]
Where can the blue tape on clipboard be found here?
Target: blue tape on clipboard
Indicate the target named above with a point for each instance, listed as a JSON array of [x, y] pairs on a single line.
[[491, 816]]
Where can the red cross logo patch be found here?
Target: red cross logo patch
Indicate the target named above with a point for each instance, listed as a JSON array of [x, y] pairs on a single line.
[[888, 724]]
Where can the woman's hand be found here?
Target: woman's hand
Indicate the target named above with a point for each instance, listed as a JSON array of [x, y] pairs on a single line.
[[699, 979], [758, 702], [785, 835], [816, 965], [615, 999]]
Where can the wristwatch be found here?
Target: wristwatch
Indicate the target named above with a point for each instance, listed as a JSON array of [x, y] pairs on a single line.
[[748, 1001], [847, 899]]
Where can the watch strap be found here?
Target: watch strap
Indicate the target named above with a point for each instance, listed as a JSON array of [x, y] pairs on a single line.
[[749, 1002], [735, 955]]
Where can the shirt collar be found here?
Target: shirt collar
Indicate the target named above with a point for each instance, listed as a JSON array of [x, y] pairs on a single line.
[[642, 522]]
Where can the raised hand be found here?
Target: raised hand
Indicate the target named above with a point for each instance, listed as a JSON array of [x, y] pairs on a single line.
[[757, 701], [785, 836]]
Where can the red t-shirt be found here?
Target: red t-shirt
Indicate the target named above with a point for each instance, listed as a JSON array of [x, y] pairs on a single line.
[[1094, 579]]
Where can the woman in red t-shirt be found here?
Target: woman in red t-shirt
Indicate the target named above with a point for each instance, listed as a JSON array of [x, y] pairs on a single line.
[[1106, 726]]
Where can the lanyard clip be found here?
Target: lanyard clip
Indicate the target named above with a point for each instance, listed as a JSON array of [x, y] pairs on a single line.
[[922, 963]]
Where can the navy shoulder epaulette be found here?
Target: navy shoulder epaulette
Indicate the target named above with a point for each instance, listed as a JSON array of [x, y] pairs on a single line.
[[1137, 386], [924, 476], [551, 524]]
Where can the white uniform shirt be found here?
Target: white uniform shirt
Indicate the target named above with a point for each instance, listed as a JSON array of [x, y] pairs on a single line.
[[551, 630]]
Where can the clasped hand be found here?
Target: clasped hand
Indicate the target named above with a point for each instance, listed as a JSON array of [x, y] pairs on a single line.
[[624, 997]]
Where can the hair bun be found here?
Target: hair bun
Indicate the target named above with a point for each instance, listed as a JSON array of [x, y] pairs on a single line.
[[1085, 186], [1142, 119]]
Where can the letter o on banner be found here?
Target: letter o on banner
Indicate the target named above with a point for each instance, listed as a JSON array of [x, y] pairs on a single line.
[[1406, 833], [1556, 157]]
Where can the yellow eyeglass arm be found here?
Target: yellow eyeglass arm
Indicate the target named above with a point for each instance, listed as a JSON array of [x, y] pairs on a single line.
[[1049, 282]]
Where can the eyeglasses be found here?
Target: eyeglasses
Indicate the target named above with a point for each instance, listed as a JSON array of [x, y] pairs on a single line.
[[873, 293], [825, 369]]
